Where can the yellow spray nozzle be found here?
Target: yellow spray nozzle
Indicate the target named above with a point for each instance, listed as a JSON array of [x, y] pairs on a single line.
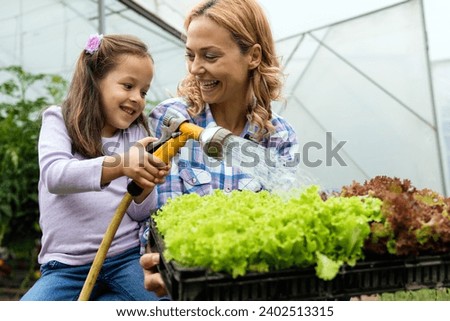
[[176, 132], [191, 130], [171, 147], [212, 141]]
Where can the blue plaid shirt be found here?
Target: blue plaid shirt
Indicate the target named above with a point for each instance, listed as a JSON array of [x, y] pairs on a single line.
[[192, 170]]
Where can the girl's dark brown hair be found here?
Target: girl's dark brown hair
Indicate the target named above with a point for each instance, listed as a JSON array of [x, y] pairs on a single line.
[[82, 110], [248, 25]]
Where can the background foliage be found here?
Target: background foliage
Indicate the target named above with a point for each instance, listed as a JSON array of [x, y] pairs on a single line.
[[23, 96]]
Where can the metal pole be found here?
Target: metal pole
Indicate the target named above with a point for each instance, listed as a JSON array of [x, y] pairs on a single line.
[[101, 16], [136, 7], [437, 120]]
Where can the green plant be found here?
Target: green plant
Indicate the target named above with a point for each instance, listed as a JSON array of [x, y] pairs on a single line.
[[19, 130], [244, 231], [418, 295]]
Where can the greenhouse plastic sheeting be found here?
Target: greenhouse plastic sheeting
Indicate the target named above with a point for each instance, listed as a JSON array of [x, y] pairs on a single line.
[[362, 88]]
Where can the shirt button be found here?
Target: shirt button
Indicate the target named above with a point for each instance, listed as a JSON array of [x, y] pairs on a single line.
[[194, 180]]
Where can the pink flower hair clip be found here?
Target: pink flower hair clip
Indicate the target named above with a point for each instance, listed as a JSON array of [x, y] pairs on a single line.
[[93, 43]]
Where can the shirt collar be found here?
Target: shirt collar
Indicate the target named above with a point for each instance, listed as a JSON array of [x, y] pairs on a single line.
[[249, 129]]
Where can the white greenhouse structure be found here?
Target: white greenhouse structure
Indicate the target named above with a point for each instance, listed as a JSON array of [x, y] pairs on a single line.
[[367, 81]]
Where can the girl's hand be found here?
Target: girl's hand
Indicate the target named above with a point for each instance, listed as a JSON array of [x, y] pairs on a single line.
[[137, 164], [142, 167]]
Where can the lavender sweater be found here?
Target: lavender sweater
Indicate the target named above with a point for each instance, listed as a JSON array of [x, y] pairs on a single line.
[[75, 210]]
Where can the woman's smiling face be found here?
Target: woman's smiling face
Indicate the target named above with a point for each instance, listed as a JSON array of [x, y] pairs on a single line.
[[217, 63]]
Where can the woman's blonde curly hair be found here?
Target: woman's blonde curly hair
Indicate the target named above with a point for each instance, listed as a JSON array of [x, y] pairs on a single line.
[[248, 25]]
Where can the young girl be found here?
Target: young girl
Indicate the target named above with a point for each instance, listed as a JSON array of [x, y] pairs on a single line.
[[90, 148]]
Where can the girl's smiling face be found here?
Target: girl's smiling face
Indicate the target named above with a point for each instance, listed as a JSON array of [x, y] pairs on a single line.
[[123, 92]]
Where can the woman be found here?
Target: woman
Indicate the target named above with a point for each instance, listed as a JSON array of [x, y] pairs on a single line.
[[234, 75]]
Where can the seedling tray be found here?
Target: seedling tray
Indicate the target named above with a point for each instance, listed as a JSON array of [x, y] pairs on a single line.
[[376, 274]]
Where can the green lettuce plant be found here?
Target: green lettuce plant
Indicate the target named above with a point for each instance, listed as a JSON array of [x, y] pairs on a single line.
[[244, 231]]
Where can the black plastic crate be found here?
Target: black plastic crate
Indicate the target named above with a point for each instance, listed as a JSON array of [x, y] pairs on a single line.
[[374, 275], [390, 273]]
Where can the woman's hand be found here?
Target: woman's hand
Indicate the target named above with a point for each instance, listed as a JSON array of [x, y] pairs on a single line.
[[152, 279]]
